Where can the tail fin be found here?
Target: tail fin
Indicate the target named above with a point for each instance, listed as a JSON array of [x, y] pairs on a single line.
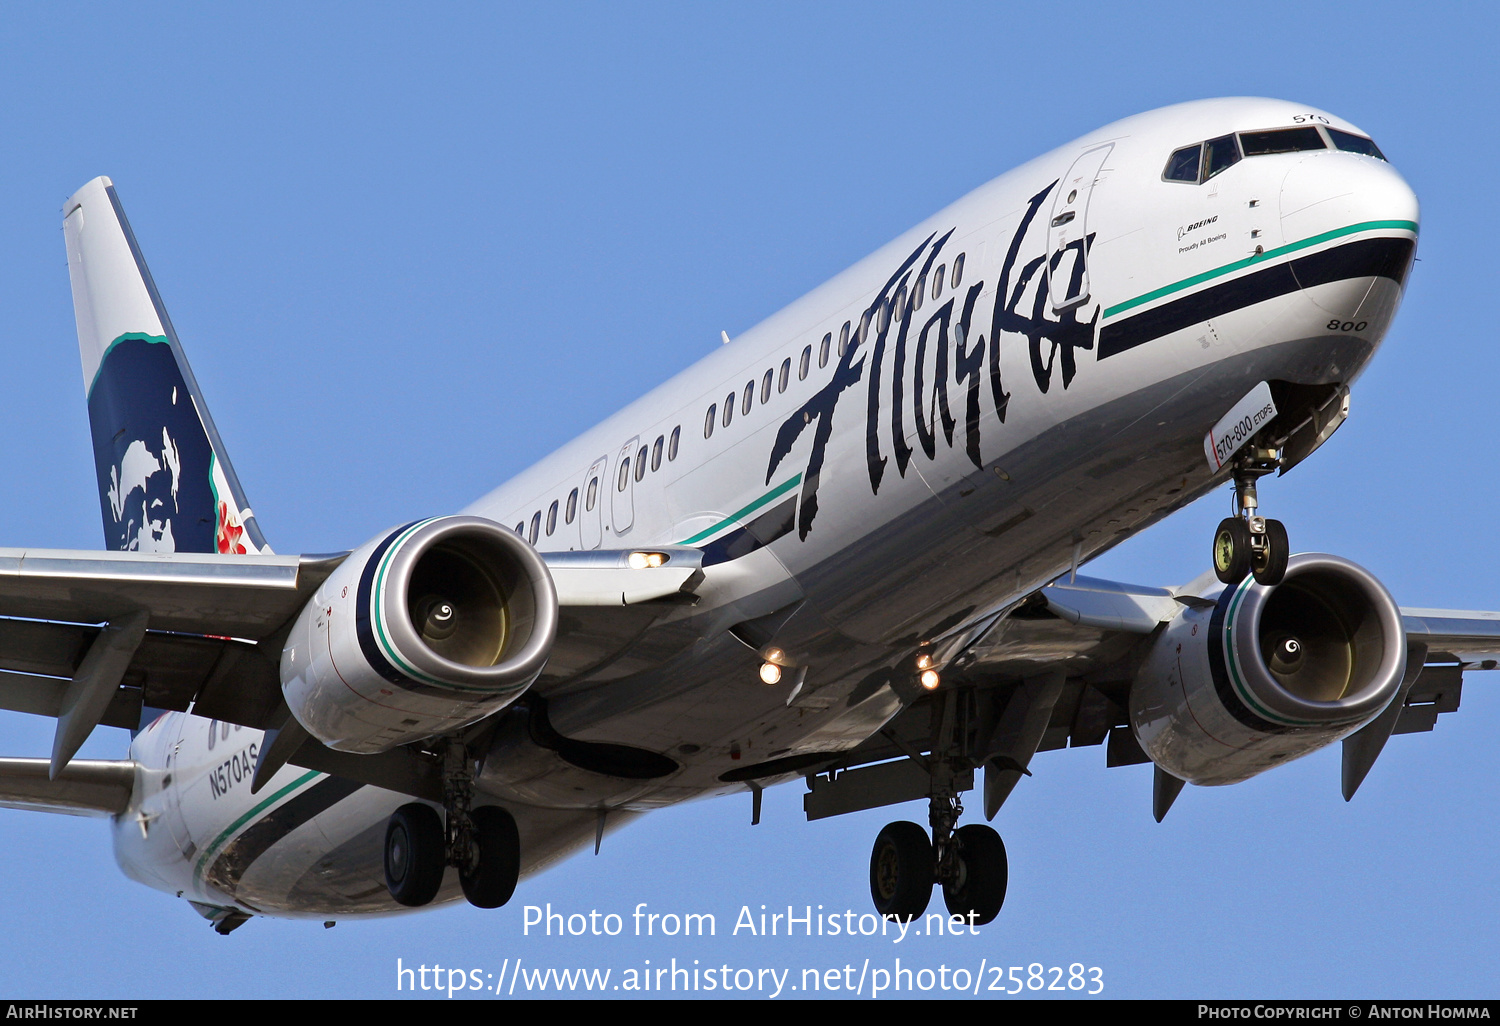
[[165, 481]]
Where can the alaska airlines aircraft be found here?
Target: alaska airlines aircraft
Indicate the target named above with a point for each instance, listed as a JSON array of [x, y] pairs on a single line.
[[843, 547]]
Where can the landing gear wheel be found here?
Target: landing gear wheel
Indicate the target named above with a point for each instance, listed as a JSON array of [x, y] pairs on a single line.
[[1232, 550], [1269, 564], [980, 890], [415, 854], [492, 880], [901, 871]]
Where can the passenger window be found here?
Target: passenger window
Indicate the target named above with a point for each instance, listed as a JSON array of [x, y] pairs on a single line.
[[918, 291], [728, 408], [765, 388], [624, 475], [749, 398], [1219, 154], [885, 316], [572, 508], [551, 518], [937, 281], [958, 269], [785, 375], [843, 340], [823, 350], [536, 524], [672, 445], [1284, 140], [898, 305], [656, 454], [521, 529], [806, 362], [708, 422], [1351, 143], [593, 495], [640, 463], [1183, 164]]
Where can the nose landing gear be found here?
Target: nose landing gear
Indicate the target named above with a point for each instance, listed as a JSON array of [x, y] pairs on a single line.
[[1248, 543], [483, 843]]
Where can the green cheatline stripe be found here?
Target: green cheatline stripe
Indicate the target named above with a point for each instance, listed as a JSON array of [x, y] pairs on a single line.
[[1291, 247], [774, 493], [377, 613], [260, 807]]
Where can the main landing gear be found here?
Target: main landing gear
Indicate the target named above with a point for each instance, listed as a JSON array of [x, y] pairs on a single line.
[[1247, 543], [483, 843], [969, 863]]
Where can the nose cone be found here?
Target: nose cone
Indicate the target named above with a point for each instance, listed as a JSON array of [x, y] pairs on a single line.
[[1334, 192]]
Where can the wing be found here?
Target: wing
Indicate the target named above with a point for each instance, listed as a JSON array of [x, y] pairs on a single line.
[[96, 637], [1056, 671]]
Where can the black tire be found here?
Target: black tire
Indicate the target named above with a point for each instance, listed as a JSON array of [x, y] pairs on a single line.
[[415, 854], [1232, 550], [986, 874], [493, 879], [901, 874], [1270, 565]]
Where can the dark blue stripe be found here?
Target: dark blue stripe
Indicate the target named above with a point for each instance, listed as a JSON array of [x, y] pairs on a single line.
[[364, 629], [1367, 258]]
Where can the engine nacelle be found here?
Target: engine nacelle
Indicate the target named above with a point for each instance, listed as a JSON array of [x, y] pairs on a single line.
[[422, 630], [1269, 674]]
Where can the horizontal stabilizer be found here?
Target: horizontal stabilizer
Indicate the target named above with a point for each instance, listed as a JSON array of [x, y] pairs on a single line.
[[86, 787]]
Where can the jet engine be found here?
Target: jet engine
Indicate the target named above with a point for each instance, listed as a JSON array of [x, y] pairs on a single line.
[[422, 630], [1267, 674]]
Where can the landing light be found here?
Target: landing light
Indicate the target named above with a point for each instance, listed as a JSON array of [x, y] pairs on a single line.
[[924, 661], [770, 673], [646, 560], [930, 679]]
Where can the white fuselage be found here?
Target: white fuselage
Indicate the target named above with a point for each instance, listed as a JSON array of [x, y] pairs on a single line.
[[853, 503]]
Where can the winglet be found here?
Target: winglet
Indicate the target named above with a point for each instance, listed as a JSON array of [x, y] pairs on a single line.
[[165, 481]]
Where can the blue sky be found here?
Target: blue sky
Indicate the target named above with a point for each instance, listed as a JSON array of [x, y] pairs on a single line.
[[412, 251]]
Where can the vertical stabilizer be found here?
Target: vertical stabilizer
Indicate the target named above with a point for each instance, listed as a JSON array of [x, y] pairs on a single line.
[[165, 481]]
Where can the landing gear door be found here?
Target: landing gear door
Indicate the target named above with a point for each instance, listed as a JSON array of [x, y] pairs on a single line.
[[622, 505], [591, 519], [1067, 231]]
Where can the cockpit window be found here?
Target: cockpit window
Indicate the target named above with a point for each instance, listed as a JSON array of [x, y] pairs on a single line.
[[1351, 143], [1182, 166], [1220, 153], [1201, 161], [1281, 140]]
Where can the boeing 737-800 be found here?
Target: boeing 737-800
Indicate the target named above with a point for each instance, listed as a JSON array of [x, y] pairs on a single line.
[[844, 547]]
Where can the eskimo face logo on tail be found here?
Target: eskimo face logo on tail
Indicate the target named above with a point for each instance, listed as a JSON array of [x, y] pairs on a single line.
[[151, 454], [924, 374], [140, 489]]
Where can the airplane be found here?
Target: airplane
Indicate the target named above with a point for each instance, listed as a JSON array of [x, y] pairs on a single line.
[[844, 547]]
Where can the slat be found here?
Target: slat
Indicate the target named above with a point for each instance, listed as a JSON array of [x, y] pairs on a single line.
[[241, 596]]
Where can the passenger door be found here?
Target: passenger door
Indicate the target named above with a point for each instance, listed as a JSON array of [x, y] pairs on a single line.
[[1067, 231]]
